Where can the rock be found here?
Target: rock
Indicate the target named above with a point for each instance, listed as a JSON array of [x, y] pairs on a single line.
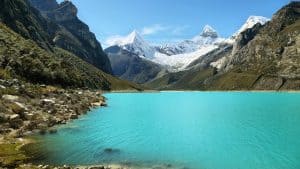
[[100, 103], [111, 150], [10, 97], [3, 117], [15, 121], [103, 104], [66, 167], [14, 117], [73, 116], [52, 131], [2, 87], [46, 167], [28, 116], [97, 167], [48, 101], [18, 108], [42, 128], [96, 104]]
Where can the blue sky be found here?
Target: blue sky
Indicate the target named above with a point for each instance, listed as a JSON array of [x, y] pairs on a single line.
[[163, 21]]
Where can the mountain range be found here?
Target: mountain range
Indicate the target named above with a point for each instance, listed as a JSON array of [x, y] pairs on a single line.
[[169, 57]]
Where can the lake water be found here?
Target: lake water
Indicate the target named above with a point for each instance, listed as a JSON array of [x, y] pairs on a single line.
[[195, 130]]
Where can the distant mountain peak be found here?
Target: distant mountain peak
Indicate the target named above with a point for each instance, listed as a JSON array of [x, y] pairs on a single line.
[[208, 31], [251, 21], [134, 43], [133, 37]]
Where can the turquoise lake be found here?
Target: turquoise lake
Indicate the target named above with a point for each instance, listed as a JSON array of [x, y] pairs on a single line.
[[195, 130]]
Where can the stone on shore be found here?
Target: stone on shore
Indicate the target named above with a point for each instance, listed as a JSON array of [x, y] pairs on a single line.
[[73, 116], [18, 108], [10, 97], [15, 121], [48, 101]]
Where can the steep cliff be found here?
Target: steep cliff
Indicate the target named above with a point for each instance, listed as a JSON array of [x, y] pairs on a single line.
[[265, 58], [27, 21], [28, 53], [71, 33]]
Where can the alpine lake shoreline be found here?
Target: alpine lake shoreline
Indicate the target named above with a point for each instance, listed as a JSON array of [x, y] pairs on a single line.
[[27, 110], [40, 109]]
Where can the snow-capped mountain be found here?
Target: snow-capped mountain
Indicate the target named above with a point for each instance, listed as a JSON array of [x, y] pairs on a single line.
[[135, 44], [208, 36], [178, 56], [251, 21]]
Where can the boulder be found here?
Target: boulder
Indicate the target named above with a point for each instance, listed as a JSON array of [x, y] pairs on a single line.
[[48, 101], [14, 117], [28, 116], [3, 118], [18, 108], [15, 121], [97, 167], [96, 104], [73, 116], [10, 97]]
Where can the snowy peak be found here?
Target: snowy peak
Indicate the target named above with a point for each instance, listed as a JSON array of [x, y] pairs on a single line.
[[208, 35], [208, 31], [251, 21], [133, 37], [134, 43]]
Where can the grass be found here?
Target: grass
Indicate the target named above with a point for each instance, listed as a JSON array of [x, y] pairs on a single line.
[[10, 154]]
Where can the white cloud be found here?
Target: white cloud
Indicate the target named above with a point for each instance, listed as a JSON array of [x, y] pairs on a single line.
[[179, 30], [154, 29], [113, 40]]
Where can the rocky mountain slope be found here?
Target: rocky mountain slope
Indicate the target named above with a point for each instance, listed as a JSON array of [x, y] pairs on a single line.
[[264, 57], [26, 21], [30, 55], [24, 59], [129, 66], [68, 32]]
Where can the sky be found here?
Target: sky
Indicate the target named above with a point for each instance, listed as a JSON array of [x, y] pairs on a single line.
[[168, 21]]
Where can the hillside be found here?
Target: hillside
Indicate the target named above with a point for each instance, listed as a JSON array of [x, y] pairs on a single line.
[[269, 60], [61, 28], [26, 60]]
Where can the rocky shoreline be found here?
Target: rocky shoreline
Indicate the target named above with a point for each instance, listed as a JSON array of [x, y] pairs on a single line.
[[27, 109]]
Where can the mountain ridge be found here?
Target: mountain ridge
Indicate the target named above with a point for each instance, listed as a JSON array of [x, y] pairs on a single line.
[[27, 54], [183, 55], [71, 34]]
